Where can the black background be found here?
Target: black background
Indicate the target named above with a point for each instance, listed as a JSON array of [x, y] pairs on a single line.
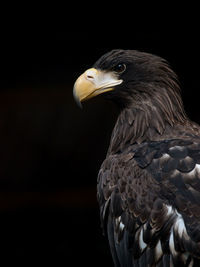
[[51, 150]]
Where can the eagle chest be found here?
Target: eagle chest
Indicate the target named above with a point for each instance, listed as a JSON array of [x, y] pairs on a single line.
[[125, 188]]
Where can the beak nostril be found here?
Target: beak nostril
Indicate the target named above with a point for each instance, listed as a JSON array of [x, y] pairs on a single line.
[[90, 74], [90, 77]]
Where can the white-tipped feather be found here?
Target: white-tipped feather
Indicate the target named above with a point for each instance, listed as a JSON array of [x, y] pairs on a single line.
[[142, 244]]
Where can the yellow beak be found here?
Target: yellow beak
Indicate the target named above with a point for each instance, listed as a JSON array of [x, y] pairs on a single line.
[[94, 82]]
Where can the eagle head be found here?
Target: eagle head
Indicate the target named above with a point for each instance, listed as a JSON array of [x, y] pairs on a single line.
[[129, 77]]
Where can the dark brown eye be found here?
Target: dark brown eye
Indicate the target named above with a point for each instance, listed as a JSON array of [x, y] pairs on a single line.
[[119, 68]]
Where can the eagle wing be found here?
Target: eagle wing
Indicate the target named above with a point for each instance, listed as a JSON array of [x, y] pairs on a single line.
[[149, 198]]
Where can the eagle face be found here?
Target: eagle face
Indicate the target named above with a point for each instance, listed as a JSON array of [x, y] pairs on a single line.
[[122, 75]]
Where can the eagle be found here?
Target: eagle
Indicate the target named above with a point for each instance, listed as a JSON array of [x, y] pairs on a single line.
[[148, 186]]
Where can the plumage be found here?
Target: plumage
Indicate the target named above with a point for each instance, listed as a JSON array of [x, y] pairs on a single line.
[[148, 187]]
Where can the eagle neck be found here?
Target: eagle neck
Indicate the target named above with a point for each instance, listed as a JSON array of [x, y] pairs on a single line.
[[139, 124]]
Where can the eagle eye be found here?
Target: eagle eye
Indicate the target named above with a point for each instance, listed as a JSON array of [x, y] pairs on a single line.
[[119, 68]]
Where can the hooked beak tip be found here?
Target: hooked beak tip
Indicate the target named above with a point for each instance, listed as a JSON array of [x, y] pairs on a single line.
[[77, 100]]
